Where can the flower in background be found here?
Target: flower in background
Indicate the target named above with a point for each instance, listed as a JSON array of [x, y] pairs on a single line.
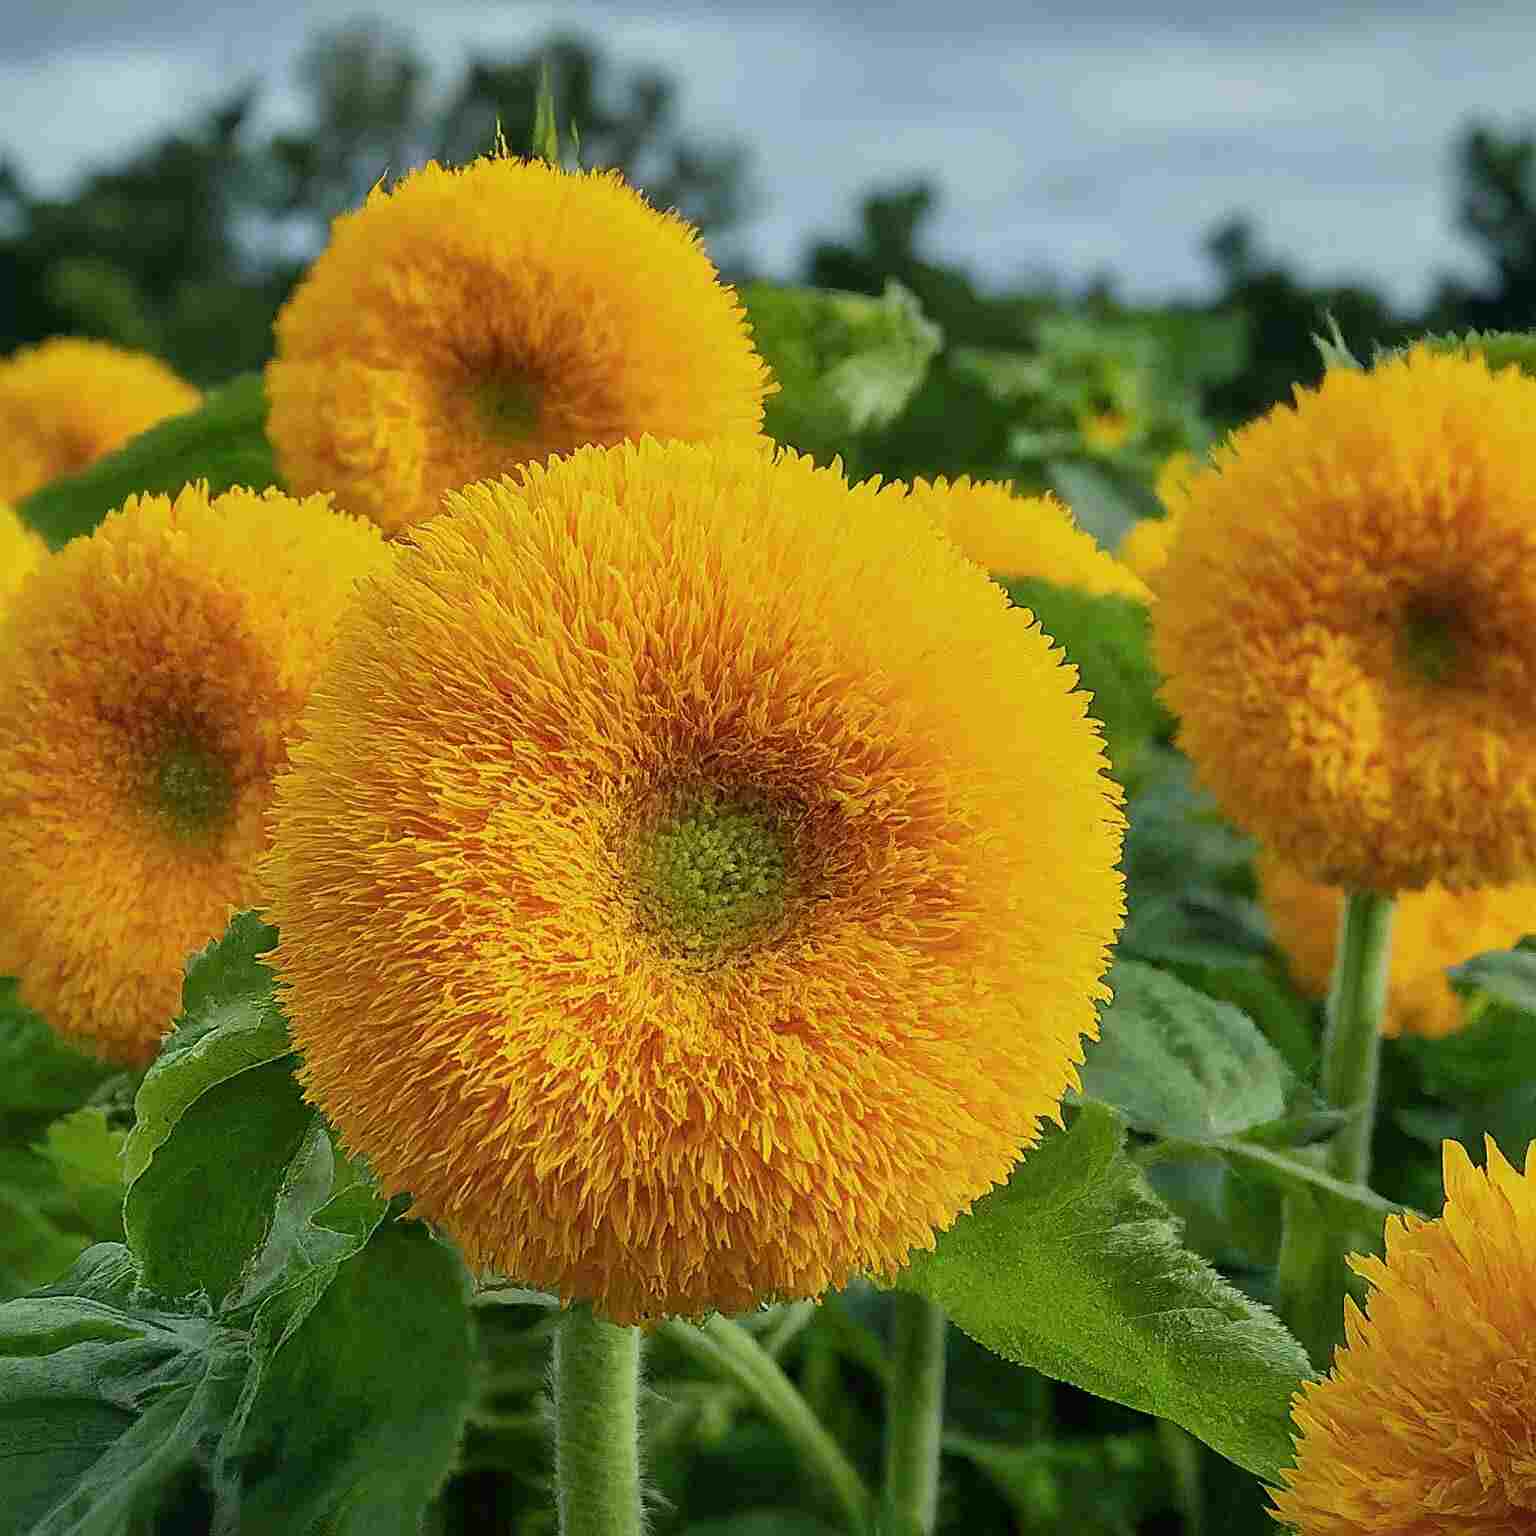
[[66, 402], [660, 878], [1016, 537], [468, 321], [1427, 1421], [1348, 626], [21, 552], [1104, 432], [154, 673], [1432, 929]]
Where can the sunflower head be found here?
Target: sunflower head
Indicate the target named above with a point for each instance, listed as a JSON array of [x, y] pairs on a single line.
[[1427, 1421], [679, 930], [467, 321], [1432, 929], [1018, 537], [1348, 625], [22, 550], [66, 402], [155, 673]]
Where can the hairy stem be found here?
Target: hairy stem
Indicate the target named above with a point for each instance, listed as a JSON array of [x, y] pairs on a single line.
[[914, 1416], [597, 1426]]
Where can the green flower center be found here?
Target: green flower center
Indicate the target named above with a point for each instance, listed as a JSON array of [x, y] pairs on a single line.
[[193, 790], [508, 403], [712, 873], [1428, 642]]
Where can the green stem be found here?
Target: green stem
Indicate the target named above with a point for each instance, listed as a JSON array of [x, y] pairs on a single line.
[[730, 1351], [597, 1426], [1352, 1042], [914, 1409], [1311, 1273]]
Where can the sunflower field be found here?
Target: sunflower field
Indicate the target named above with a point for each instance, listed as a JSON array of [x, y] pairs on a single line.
[[634, 905]]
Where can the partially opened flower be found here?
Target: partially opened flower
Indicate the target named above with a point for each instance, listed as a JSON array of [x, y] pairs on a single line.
[[1347, 624], [1146, 543], [153, 675], [66, 402], [1426, 1425], [694, 882], [21, 552], [1018, 537], [1431, 929], [467, 321]]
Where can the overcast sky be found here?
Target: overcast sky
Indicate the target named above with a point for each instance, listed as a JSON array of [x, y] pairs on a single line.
[[1068, 135]]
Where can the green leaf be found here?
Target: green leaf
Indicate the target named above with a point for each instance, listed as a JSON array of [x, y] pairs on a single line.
[[223, 442], [103, 1404], [86, 1155], [41, 1078], [1075, 1268], [352, 1414], [196, 1217], [1180, 1064], [1106, 639], [1503, 976], [545, 134], [845, 363], [762, 1522]]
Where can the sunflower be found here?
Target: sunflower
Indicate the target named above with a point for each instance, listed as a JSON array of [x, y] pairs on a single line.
[[1431, 930], [155, 671], [1019, 537], [1146, 543], [21, 552], [1348, 626], [695, 881], [68, 401], [467, 321], [1426, 1425]]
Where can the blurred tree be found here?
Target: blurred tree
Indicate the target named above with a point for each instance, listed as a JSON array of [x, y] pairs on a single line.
[[1496, 207], [1283, 314], [189, 247], [625, 122]]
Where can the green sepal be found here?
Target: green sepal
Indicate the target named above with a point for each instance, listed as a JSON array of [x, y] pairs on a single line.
[[223, 442], [1075, 1268]]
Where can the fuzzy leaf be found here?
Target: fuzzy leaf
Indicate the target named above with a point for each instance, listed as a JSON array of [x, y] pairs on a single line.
[[1180, 1064], [1075, 1268], [223, 442], [197, 1214], [352, 1415]]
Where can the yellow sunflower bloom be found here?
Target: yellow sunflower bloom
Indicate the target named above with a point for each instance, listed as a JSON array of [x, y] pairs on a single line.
[[1431, 929], [1146, 543], [154, 674], [1426, 1425], [21, 552], [468, 321], [678, 927], [1348, 626], [1104, 431], [68, 401], [1019, 537]]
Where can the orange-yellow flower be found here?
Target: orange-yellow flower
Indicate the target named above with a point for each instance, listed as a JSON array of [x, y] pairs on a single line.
[[467, 321], [21, 552], [1426, 1425], [153, 675], [68, 401], [1431, 929], [694, 882], [1348, 626], [1145, 544], [1019, 537]]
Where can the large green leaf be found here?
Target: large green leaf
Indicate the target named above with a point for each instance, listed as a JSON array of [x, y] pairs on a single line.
[[845, 363], [196, 1217], [1178, 1063], [223, 442], [352, 1414], [104, 1404], [1075, 1268], [41, 1078]]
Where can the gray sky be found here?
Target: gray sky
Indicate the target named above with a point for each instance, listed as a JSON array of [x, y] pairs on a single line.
[[1068, 135]]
